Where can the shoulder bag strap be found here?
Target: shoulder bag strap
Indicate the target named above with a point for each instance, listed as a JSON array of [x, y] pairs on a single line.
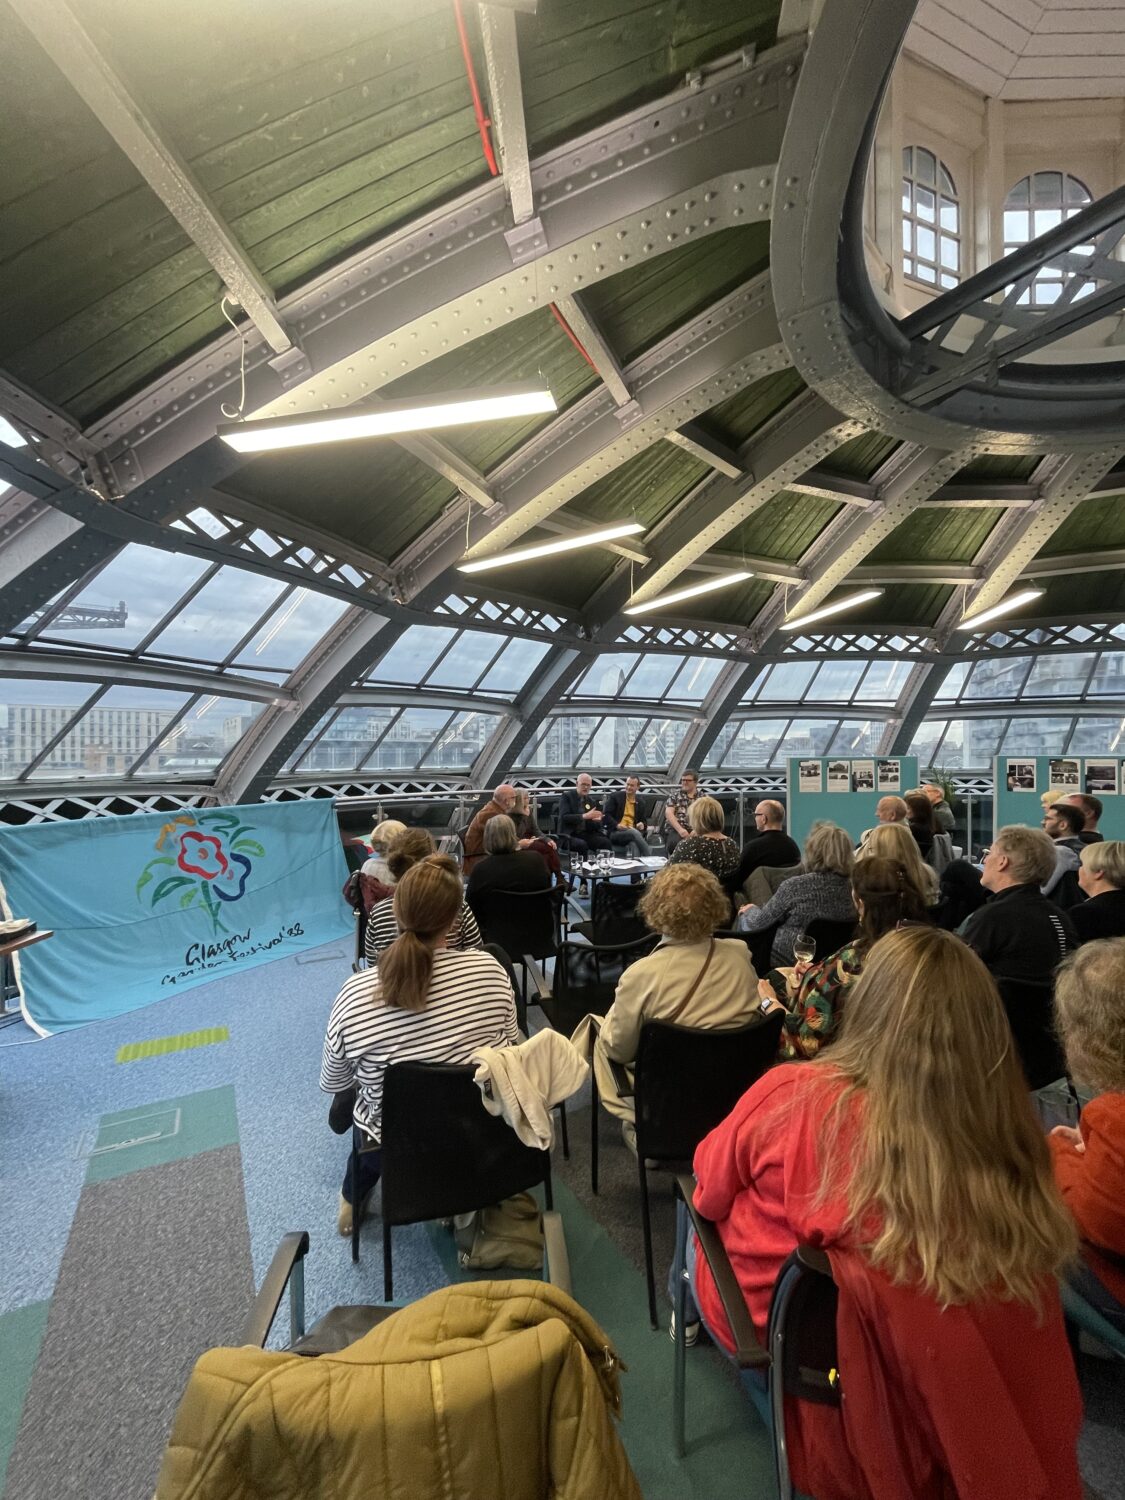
[[698, 980]]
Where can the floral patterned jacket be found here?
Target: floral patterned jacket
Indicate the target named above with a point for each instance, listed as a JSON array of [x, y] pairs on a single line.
[[813, 1015]]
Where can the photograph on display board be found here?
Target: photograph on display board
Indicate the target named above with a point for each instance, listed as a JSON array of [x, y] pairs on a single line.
[[810, 776], [890, 776], [1101, 777], [1021, 775], [863, 775], [839, 776], [1064, 775]]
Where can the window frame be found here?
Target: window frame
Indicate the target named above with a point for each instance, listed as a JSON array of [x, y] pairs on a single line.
[[943, 189]]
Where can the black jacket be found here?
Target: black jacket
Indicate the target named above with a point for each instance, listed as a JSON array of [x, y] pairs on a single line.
[[571, 821], [615, 809], [1019, 934], [522, 871], [1100, 917], [773, 850]]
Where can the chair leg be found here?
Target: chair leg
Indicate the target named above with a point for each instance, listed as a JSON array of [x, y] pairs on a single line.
[[548, 1195], [646, 1225], [388, 1272], [595, 1111], [564, 1132], [357, 1207], [679, 1273]]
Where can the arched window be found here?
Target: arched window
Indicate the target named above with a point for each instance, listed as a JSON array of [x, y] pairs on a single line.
[[931, 220], [1037, 203]]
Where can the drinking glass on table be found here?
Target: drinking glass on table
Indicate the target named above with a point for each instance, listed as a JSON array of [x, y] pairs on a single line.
[[804, 948]]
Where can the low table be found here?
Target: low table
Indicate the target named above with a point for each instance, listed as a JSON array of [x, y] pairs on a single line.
[[647, 866], [8, 1014]]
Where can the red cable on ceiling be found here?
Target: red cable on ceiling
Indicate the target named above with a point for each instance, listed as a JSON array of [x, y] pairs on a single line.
[[571, 335]]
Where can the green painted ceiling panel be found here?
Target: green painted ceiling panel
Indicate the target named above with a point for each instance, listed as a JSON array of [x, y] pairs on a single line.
[[861, 457], [784, 528], [939, 534], [583, 61], [1094, 525], [567, 582], [907, 604], [999, 468], [637, 307], [738, 418], [531, 348], [733, 606], [645, 488], [373, 495], [1086, 594]]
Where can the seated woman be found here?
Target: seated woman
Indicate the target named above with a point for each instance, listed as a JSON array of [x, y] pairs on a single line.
[[424, 1003], [707, 843], [949, 1326], [1090, 1160], [406, 850], [935, 848], [506, 867], [530, 836], [376, 881], [691, 979], [1101, 874], [823, 891], [895, 841], [813, 1000]]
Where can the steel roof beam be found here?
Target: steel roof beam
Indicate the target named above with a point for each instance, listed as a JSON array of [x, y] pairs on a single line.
[[761, 567], [389, 697], [69, 45], [568, 526], [502, 59], [1065, 564], [601, 356], [968, 496], [836, 487], [71, 666], [896, 572], [700, 444]]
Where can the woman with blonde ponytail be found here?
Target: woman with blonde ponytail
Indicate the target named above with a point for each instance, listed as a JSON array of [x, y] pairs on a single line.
[[426, 1002], [910, 1152]]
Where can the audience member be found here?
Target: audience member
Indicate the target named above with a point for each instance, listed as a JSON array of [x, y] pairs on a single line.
[[425, 1002], [885, 897], [935, 848], [1090, 1160], [943, 813], [866, 1154], [503, 800], [961, 894], [1101, 874], [505, 867], [1019, 933], [692, 978], [410, 847], [895, 841], [581, 818], [1062, 823], [530, 836], [823, 891], [1091, 809], [887, 810], [627, 810], [707, 844], [769, 846], [676, 812], [375, 868]]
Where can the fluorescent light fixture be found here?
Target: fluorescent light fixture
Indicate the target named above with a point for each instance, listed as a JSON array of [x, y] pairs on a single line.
[[548, 549], [409, 414], [709, 587], [9, 435], [1013, 601], [850, 601]]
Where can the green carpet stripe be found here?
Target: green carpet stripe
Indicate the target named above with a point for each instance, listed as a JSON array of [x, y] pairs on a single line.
[[158, 1046], [21, 1333], [167, 1130]]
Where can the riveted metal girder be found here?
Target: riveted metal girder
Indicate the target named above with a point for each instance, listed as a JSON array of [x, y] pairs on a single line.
[[838, 487], [700, 444], [502, 58], [601, 356], [78, 666]]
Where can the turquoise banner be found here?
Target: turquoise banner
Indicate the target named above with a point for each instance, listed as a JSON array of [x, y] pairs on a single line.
[[844, 789], [145, 906], [1021, 781]]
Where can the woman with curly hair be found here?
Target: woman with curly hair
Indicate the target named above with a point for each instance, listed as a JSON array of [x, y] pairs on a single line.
[[691, 979]]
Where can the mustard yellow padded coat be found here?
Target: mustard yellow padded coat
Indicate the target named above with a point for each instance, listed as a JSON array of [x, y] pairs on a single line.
[[494, 1390]]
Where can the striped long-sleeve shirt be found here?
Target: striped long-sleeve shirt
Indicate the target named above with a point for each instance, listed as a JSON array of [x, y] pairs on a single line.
[[382, 929], [470, 1005]]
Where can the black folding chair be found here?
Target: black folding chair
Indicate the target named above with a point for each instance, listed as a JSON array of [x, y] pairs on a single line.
[[526, 924], [585, 979], [613, 914], [760, 945], [827, 935], [521, 1020], [1030, 1008], [685, 1082], [443, 1153]]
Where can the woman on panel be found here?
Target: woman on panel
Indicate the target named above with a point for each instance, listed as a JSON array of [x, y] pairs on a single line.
[[949, 1327], [530, 836], [425, 1002], [1101, 874], [824, 891], [1090, 1161], [707, 843], [405, 852], [813, 999]]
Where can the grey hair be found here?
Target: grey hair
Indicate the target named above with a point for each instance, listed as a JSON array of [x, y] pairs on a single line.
[[1090, 1013], [499, 835], [1030, 853], [1106, 859]]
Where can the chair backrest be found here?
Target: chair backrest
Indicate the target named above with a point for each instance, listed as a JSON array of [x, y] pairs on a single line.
[[585, 978], [613, 913], [1029, 1005], [442, 1152], [764, 881], [521, 922], [688, 1080], [828, 935], [802, 1329]]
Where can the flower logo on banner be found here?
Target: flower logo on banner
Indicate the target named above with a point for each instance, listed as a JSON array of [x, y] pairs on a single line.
[[208, 860]]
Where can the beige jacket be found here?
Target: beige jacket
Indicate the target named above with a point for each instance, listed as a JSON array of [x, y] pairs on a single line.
[[526, 1082], [653, 989]]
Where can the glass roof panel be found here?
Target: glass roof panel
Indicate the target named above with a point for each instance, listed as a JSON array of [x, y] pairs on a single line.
[[303, 748], [211, 625], [147, 581], [835, 682], [657, 744], [970, 744], [112, 735], [1109, 675], [466, 661], [883, 682], [857, 737], [291, 630], [560, 743], [804, 737], [1097, 736], [1058, 676], [1036, 736], [926, 740], [412, 655], [695, 679], [1000, 677], [199, 742], [514, 667], [720, 745], [753, 745], [653, 675], [787, 682], [347, 739], [605, 675], [461, 741], [954, 682], [32, 713], [408, 738]]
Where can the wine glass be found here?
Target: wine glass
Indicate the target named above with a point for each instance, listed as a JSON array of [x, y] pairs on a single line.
[[804, 948]]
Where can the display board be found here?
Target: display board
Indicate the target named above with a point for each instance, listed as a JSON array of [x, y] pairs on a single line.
[[1021, 781], [145, 906], [844, 789]]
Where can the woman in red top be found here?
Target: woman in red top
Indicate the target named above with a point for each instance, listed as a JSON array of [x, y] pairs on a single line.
[[911, 1154], [1090, 1161]]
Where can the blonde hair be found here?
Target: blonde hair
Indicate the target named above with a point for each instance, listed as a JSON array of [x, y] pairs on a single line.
[[1048, 799], [384, 832], [1030, 852], [705, 815], [685, 902], [828, 847], [895, 841], [1090, 1010], [1106, 859], [947, 1175], [406, 849], [426, 903]]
